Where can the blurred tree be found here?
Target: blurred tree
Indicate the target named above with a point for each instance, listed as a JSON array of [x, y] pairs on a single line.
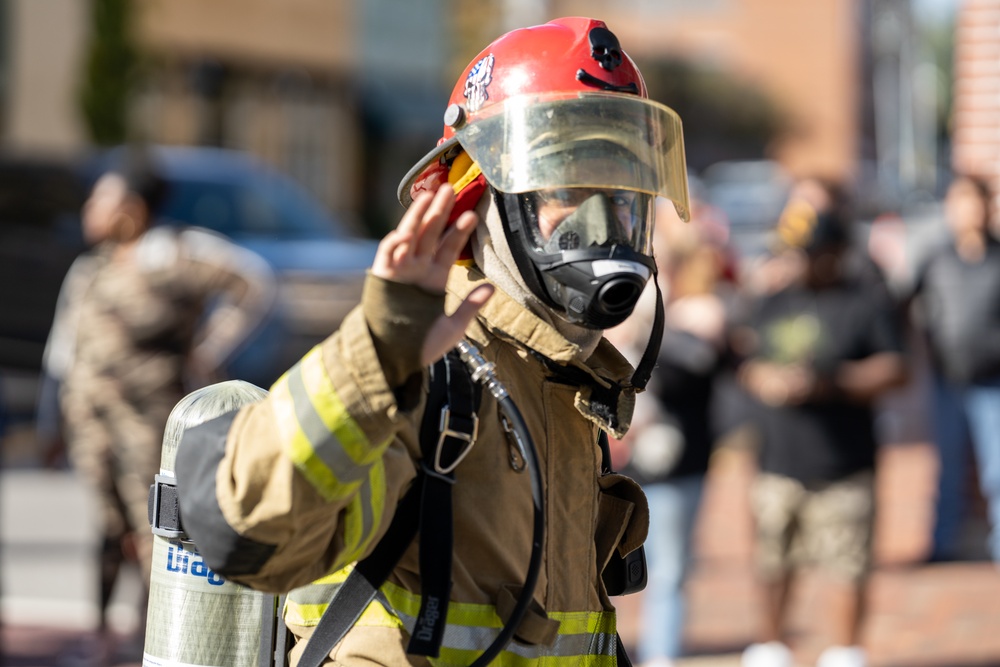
[[939, 38], [724, 118], [111, 66]]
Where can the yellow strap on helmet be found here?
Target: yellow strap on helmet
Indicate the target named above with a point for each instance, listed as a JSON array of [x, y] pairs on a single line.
[[463, 171]]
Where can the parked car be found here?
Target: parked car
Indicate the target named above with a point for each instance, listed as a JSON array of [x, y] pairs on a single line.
[[40, 236], [752, 194], [319, 261]]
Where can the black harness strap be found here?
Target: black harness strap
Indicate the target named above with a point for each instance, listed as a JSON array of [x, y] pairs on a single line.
[[361, 585], [447, 432], [443, 446]]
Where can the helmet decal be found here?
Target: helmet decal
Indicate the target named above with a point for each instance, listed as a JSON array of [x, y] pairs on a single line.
[[604, 48], [607, 51], [479, 79]]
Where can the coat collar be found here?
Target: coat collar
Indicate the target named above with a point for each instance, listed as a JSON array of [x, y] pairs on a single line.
[[608, 398]]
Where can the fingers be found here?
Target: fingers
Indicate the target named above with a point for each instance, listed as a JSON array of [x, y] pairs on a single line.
[[434, 220], [456, 237], [446, 331], [409, 225], [421, 238], [467, 310]]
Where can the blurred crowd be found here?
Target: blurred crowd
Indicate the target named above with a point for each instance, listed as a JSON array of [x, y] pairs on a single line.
[[797, 348]]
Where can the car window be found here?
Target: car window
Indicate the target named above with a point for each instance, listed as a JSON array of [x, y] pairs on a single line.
[[40, 236], [238, 210]]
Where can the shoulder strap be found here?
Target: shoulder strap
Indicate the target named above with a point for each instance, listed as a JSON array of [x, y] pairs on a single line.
[[447, 432], [456, 398], [361, 585]]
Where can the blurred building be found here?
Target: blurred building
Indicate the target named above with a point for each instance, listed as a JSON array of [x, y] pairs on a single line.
[[344, 96], [271, 78], [976, 131], [805, 55]]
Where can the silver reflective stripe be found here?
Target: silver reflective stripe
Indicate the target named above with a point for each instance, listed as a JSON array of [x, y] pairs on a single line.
[[324, 443], [367, 513], [472, 638], [314, 594]]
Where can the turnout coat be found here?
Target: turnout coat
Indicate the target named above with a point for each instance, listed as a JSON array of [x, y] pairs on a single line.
[[285, 494]]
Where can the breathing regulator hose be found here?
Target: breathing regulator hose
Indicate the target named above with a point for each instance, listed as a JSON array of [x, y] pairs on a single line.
[[483, 372]]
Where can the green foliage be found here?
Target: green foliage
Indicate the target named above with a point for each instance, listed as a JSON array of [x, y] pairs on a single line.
[[111, 66], [724, 117], [939, 39]]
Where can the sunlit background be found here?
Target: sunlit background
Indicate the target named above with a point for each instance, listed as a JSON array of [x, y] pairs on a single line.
[[338, 99], [344, 96]]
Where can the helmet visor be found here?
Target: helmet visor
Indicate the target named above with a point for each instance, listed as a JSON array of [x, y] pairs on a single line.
[[579, 140]]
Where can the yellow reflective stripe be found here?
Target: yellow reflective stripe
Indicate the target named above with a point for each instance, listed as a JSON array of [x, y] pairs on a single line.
[[308, 615], [321, 438], [331, 410], [583, 637], [364, 512], [306, 605], [450, 657], [459, 613]]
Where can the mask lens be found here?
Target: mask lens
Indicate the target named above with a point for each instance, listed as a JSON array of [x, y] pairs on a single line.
[[566, 219]]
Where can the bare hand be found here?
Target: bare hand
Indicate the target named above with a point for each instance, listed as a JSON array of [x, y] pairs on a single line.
[[778, 384], [701, 315], [421, 252]]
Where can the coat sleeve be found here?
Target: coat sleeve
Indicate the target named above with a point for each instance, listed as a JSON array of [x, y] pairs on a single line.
[[304, 482]]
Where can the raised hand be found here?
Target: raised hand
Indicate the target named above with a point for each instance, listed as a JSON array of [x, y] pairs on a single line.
[[421, 251]]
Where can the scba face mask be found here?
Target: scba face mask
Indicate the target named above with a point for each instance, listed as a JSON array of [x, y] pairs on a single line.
[[576, 175], [585, 252]]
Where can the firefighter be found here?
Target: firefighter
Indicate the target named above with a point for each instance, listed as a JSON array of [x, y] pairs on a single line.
[[530, 223]]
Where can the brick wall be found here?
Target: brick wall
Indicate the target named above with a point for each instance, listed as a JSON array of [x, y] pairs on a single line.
[[976, 131]]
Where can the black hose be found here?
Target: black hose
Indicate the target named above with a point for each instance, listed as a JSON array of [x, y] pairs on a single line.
[[513, 415], [482, 372]]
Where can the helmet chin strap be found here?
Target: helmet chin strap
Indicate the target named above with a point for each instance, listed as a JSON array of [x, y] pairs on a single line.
[[644, 369]]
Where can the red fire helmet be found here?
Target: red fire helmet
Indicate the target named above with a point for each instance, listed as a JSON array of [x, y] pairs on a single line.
[[555, 105]]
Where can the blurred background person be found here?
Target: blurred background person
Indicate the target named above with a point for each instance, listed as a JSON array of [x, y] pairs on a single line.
[[61, 343], [819, 351], [957, 308], [668, 448], [157, 312]]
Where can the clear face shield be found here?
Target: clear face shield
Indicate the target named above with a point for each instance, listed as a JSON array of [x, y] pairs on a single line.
[[606, 141], [579, 173]]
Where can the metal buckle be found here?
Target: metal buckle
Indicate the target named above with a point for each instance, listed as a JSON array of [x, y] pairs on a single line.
[[446, 432]]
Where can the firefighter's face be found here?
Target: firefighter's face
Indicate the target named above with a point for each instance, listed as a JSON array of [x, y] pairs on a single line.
[[555, 205]]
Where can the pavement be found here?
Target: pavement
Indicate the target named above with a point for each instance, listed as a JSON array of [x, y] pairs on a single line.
[[945, 615]]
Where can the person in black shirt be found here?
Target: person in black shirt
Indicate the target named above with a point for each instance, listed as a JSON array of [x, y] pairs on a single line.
[[958, 290], [668, 448], [818, 352]]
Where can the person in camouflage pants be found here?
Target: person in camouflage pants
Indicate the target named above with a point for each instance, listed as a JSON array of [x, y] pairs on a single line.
[[159, 311]]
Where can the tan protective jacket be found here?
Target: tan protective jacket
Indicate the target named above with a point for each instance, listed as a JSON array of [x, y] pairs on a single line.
[[311, 476]]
